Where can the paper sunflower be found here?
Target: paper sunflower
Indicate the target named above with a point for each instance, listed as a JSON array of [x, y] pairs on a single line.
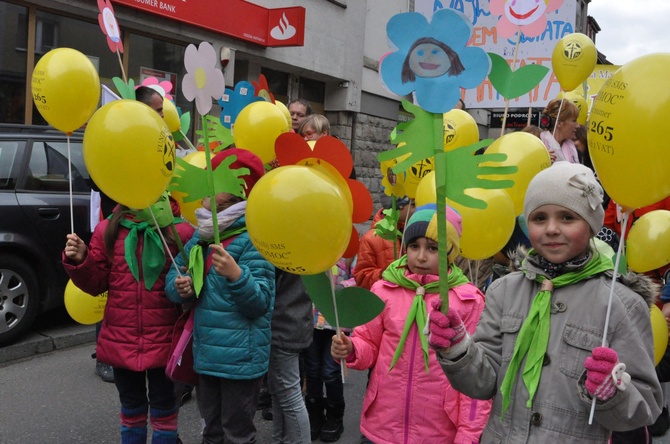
[[527, 16], [432, 60], [332, 157], [109, 25], [203, 80]]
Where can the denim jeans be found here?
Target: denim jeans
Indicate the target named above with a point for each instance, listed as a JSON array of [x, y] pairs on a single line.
[[321, 368], [290, 420]]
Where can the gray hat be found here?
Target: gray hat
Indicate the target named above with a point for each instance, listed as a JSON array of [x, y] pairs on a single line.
[[570, 185]]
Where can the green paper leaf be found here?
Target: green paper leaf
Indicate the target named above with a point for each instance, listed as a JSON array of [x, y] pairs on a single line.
[[387, 228], [184, 125], [216, 131], [512, 84], [463, 171], [126, 90], [192, 181], [418, 136], [356, 305]]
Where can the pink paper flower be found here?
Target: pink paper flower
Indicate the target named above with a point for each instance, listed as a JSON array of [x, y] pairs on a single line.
[[203, 80], [109, 25], [163, 87], [527, 16]]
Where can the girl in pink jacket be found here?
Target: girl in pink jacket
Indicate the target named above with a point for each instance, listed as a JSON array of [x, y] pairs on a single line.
[[408, 398]]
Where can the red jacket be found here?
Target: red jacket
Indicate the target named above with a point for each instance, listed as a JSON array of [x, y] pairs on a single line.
[[374, 254], [136, 330]]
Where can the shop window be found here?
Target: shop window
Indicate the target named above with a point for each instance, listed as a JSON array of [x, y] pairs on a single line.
[[46, 36]]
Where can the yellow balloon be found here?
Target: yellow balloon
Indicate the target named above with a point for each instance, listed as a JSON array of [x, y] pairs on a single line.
[[648, 243], [415, 174], [129, 152], [257, 127], [310, 226], [580, 102], [460, 129], [573, 60], [83, 307], [524, 151], [287, 114], [659, 329], [65, 88], [480, 239], [627, 135], [196, 159], [171, 115]]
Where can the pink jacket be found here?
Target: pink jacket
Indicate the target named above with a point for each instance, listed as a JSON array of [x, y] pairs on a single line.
[[408, 405], [136, 331]]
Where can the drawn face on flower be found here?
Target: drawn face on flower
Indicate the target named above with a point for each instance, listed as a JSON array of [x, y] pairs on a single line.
[[524, 12], [430, 58]]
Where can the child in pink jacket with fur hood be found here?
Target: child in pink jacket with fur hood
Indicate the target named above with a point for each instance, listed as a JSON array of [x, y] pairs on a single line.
[[409, 399]]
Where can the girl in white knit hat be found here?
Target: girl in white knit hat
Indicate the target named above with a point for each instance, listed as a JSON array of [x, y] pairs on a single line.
[[537, 349]]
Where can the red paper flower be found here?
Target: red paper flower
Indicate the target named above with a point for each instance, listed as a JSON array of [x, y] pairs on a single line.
[[109, 25], [332, 157], [262, 89]]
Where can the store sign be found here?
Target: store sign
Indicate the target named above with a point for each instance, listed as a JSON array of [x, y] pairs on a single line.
[[515, 119], [236, 18]]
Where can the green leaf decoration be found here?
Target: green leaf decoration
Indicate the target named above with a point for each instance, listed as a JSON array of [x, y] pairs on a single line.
[[126, 90], [463, 171], [387, 228], [216, 131], [184, 124], [356, 305], [512, 84], [418, 137], [192, 181]]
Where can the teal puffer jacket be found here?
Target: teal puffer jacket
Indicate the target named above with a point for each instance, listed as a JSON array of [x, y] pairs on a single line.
[[231, 336]]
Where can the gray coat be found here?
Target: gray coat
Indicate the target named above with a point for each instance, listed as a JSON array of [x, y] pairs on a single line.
[[561, 407], [292, 318]]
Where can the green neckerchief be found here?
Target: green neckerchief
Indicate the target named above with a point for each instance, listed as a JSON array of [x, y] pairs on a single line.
[[395, 273], [153, 254], [196, 258], [534, 334]]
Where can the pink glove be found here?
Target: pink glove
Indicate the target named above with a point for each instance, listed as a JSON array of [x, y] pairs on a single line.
[[604, 374], [447, 332]]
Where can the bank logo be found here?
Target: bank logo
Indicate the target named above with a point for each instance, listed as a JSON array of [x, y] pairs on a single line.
[[284, 30]]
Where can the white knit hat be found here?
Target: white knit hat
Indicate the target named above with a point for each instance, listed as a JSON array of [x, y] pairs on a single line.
[[570, 185]]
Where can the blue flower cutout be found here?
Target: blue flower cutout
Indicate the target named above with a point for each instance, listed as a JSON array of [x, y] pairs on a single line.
[[232, 102], [432, 60]]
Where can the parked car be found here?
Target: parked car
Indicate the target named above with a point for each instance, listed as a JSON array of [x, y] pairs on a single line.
[[34, 220]]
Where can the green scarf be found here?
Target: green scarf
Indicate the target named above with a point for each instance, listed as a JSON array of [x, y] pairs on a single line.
[[395, 273], [533, 338], [196, 258], [153, 254]]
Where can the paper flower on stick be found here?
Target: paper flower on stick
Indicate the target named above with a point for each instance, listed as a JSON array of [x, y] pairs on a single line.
[[232, 102], [263, 90], [527, 16], [203, 80], [332, 157], [109, 25], [192, 180], [163, 87], [432, 60]]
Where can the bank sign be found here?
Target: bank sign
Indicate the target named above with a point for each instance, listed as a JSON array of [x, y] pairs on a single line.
[[530, 50], [235, 18]]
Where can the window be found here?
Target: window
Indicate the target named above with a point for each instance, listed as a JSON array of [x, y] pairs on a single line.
[[8, 173], [48, 168], [46, 36]]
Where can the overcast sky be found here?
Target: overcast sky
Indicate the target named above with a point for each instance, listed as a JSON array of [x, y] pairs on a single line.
[[631, 28]]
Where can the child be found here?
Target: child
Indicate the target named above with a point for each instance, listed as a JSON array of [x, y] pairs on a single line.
[[126, 257], [326, 414], [537, 350], [408, 399], [231, 333]]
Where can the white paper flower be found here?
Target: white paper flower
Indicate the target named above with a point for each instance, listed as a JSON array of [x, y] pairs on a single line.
[[203, 80]]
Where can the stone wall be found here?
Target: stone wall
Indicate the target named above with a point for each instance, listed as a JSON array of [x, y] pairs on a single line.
[[366, 136]]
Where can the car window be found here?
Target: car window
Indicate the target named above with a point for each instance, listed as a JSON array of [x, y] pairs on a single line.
[[48, 167], [8, 170]]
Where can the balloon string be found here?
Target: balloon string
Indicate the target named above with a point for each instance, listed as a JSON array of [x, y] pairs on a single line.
[[69, 176], [165, 245], [624, 225], [516, 50]]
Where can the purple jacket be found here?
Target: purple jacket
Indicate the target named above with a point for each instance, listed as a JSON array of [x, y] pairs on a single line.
[[408, 405]]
